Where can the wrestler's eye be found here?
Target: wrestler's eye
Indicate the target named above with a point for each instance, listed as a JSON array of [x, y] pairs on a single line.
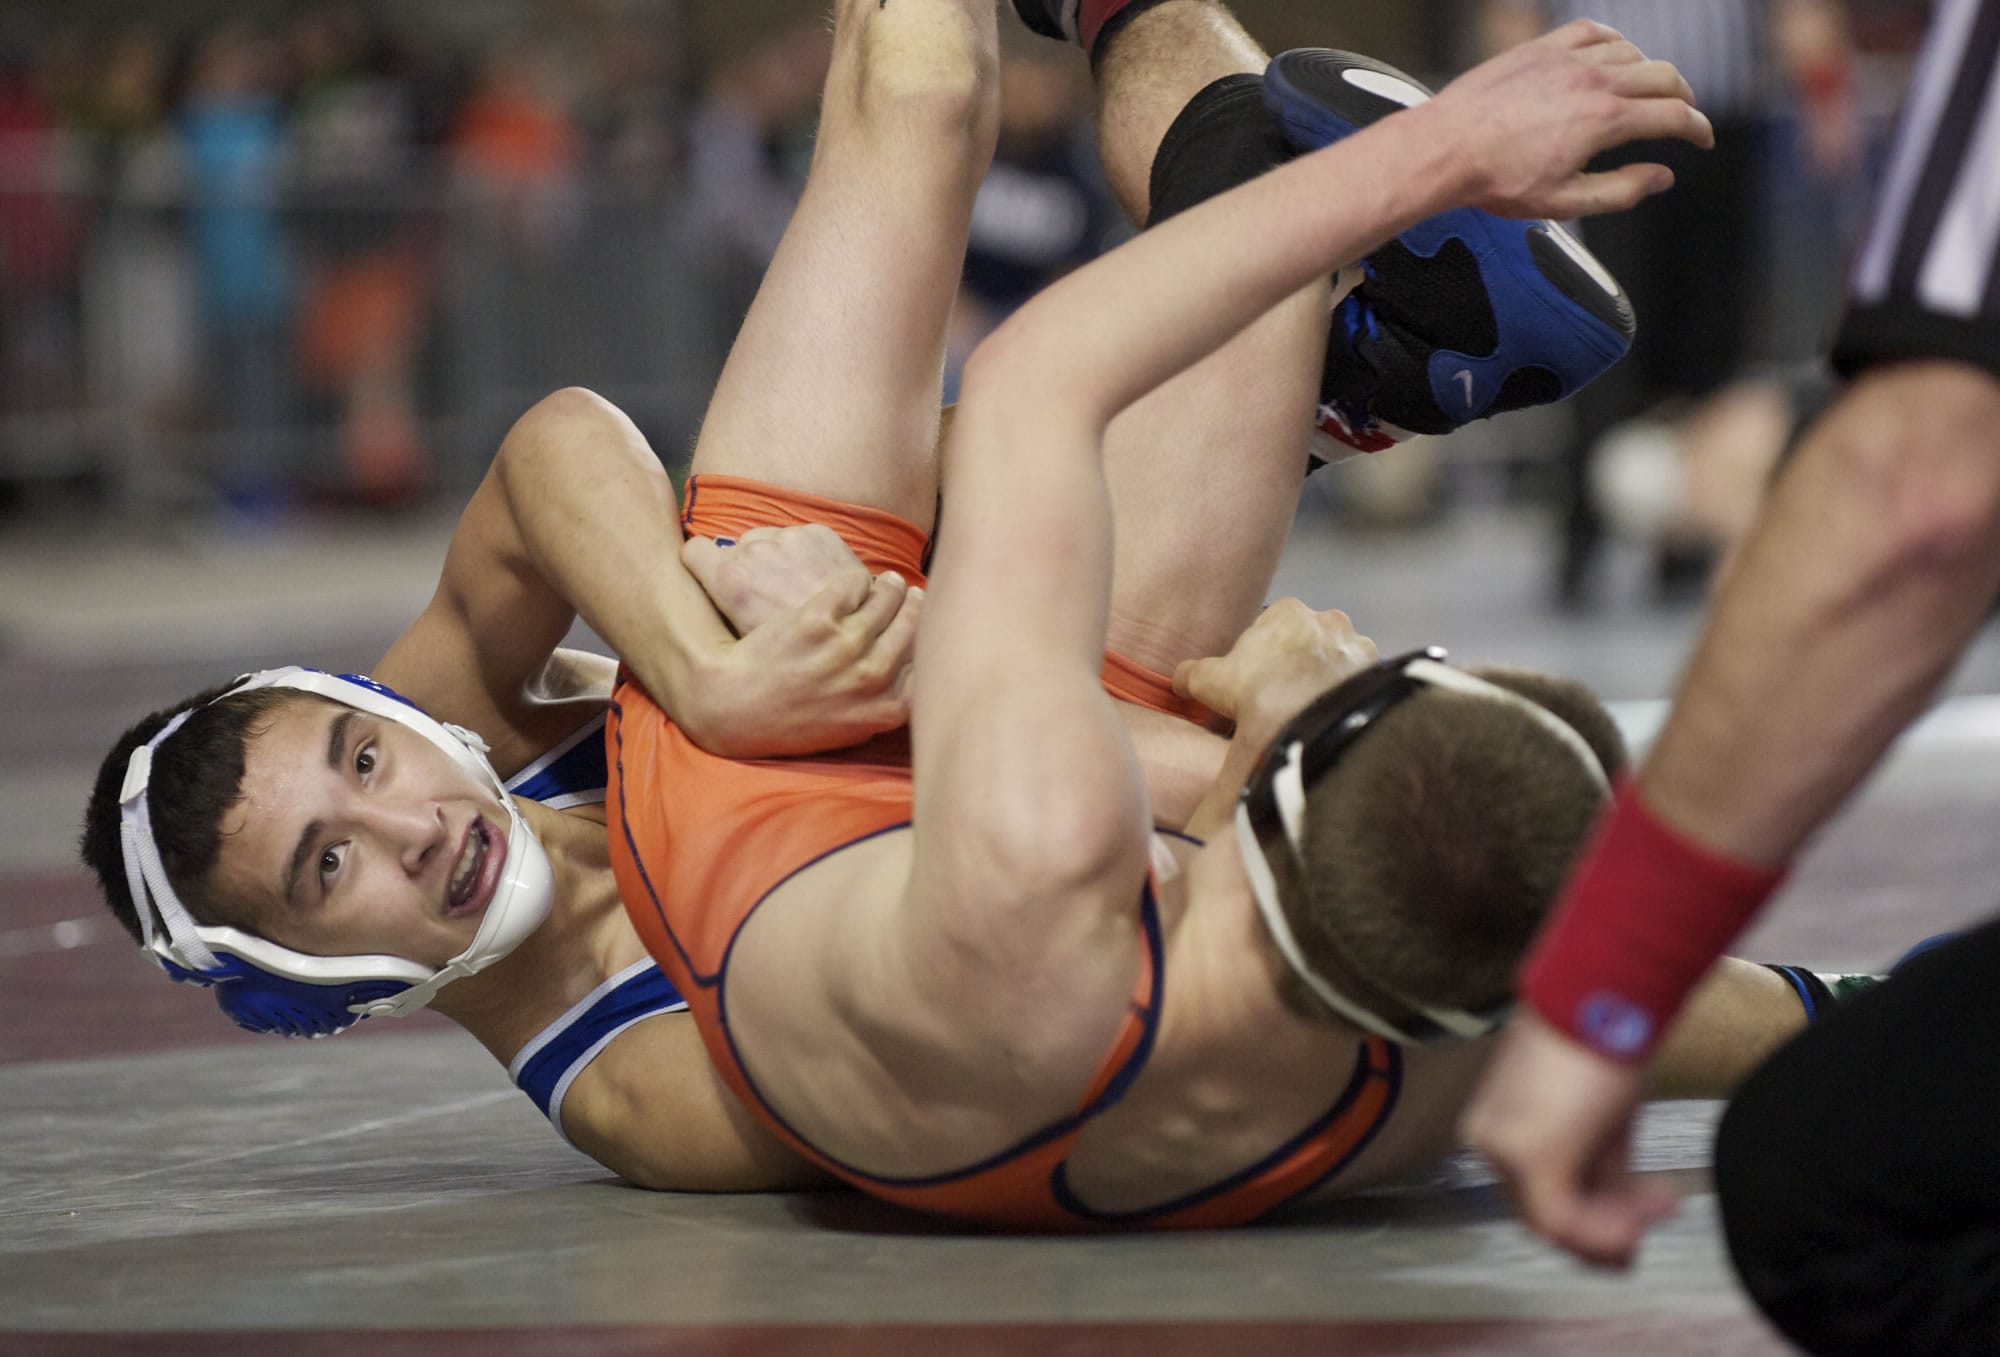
[[364, 760], [329, 861]]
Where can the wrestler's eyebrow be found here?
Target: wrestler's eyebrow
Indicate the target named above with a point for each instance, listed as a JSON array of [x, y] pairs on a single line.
[[336, 745]]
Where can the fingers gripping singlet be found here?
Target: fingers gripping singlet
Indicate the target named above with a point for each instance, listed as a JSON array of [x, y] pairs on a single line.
[[698, 842]]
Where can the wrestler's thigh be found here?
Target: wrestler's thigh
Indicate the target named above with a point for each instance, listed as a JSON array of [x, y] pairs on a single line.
[[1205, 475], [833, 384]]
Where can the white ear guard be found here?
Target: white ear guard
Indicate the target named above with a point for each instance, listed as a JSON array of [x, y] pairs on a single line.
[[1270, 818], [269, 988]]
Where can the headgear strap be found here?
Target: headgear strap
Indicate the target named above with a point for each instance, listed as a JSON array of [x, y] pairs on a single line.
[[1284, 772]]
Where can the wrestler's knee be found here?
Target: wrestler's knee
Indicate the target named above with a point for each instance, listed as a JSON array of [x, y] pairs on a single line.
[[917, 72]]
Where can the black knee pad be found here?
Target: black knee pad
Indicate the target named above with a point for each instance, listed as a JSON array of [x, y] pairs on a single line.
[[1223, 138]]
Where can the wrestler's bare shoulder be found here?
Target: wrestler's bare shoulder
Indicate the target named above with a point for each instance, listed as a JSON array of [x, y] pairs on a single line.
[[1237, 1076], [652, 1109]]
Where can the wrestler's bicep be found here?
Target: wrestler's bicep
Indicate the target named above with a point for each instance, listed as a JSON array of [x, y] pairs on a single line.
[[652, 1110], [1027, 788], [481, 650]]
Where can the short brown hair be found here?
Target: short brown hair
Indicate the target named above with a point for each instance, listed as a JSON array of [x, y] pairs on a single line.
[[197, 776], [1434, 848]]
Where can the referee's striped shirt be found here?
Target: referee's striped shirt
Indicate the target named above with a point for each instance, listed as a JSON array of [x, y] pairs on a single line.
[[1721, 46], [1925, 284]]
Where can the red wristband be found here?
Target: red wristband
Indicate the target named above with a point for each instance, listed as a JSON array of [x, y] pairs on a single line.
[[1647, 912]]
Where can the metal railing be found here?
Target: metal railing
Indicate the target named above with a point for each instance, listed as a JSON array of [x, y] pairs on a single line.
[[367, 339]]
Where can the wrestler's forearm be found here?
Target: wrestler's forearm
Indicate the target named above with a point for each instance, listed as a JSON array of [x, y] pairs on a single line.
[[1738, 1016], [1179, 760], [598, 520], [1267, 709], [1253, 735], [1877, 559]]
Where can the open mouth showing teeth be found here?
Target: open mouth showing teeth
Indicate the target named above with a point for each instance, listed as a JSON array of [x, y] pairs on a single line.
[[465, 880]]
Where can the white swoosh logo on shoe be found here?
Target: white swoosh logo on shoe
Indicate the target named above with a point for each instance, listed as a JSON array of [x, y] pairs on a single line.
[[1573, 247], [1385, 86], [1465, 375]]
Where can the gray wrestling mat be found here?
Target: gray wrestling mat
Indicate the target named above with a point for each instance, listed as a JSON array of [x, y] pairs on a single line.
[[403, 1184]]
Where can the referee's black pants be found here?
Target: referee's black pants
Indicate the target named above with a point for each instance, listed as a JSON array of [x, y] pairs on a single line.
[[1859, 1170]]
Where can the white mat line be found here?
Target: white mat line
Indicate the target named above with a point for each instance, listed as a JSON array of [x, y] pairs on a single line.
[[359, 1128]]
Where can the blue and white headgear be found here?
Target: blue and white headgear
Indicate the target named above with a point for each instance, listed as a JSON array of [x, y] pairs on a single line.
[[1271, 823], [269, 988]]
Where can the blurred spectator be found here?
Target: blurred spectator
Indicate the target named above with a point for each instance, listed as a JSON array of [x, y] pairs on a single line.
[[40, 230], [233, 134], [520, 223], [352, 113], [1043, 207], [1685, 479], [1692, 259], [1689, 477], [748, 147], [366, 266], [751, 141], [140, 313], [633, 112], [516, 146]]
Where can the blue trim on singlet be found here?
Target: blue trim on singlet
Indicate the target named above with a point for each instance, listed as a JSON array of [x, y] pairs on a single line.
[[1365, 1070], [547, 1066], [574, 773], [1114, 1089]]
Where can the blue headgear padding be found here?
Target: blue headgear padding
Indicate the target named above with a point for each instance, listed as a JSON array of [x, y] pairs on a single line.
[[377, 686], [272, 1005]]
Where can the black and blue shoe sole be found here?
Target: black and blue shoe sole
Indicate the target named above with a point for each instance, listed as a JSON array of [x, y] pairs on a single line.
[[1556, 307]]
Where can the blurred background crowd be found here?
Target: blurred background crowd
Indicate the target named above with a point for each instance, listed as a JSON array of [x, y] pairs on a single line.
[[262, 260]]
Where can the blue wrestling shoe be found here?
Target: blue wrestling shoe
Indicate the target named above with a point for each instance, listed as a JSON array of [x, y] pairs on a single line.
[[1463, 316]]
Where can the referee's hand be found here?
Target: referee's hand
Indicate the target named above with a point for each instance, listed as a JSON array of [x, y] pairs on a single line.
[[1555, 1121]]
